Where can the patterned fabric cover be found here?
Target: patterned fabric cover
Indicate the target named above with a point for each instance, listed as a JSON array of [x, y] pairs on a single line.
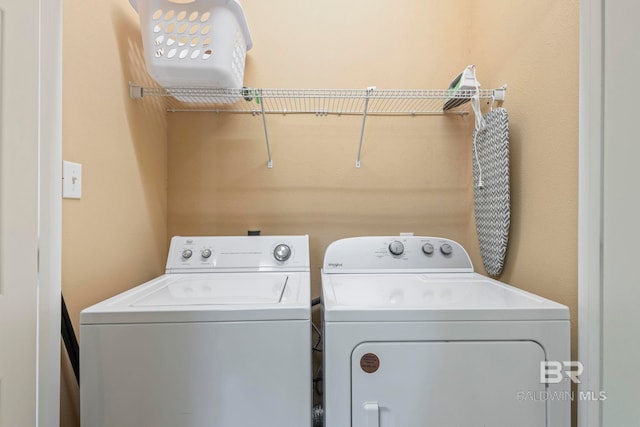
[[492, 201]]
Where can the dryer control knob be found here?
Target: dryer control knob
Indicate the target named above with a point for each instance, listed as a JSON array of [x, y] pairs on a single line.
[[446, 249], [427, 248], [396, 247], [186, 254], [282, 252], [206, 253]]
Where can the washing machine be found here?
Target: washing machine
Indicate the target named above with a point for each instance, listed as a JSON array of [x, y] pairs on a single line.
[[222, 339], [413, 337]]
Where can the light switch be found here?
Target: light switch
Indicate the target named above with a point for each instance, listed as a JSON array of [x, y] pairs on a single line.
[[71, 180]]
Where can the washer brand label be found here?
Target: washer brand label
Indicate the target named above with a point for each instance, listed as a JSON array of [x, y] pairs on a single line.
[[335, 264], [369, 363]]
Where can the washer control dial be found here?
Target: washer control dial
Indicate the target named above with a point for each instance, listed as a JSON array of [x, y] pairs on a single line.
[[396, 247], [186, 254], [446, 249], [206, 253], [282, 252], [427, 248]]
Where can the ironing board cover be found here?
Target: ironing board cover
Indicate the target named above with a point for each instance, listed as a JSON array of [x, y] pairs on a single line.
[[492, 201]]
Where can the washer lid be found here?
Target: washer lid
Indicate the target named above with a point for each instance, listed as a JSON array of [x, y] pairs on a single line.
[[206, 290], [208, 297], [427, 297]]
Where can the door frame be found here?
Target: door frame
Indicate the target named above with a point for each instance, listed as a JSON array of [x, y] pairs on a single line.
[[50, 214], [590, 207]]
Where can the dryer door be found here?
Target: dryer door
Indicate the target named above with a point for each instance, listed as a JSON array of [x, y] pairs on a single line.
[[445, 384]]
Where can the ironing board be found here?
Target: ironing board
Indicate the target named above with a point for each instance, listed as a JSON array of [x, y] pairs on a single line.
[[492, 199]]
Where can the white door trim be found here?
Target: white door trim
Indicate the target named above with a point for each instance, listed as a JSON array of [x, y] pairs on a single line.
[[50, 214], [590, 208]]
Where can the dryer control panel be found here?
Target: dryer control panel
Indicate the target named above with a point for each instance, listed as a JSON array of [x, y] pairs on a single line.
[[404, 253], [199, 254]]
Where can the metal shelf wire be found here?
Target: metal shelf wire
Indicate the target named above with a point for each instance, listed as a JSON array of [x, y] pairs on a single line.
[[321, 102], [313, 101]]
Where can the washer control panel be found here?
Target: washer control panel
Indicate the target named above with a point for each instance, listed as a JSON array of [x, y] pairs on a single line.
[[241, 253], [408, 253]]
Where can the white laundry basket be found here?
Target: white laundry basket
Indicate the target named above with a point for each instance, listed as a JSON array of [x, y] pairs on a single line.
[[197, 43]]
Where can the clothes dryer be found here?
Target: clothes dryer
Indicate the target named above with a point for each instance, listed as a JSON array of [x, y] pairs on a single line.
[[413, 337]]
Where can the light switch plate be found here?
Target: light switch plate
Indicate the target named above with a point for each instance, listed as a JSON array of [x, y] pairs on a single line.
[[71, 180]]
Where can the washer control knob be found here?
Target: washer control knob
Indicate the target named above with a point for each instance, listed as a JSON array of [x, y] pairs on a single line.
[[282, 252], [446, 249], [186, 254], [396, 247], [206, 253], [427, 248]]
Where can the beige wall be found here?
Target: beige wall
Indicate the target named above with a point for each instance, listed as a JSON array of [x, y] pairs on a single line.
[[115, 236], [416, 172], [534, 48]]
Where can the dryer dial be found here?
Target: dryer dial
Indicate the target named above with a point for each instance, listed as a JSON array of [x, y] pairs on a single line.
[[186, 254], [396, 247], [427, 248], [446, 249]]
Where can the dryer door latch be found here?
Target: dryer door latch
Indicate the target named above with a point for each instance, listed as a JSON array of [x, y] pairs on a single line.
[[372, 411]]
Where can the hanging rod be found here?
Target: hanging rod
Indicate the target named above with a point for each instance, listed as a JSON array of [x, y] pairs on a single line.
[[320, 102]]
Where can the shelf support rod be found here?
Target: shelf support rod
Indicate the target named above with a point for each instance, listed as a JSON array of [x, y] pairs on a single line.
[[370, 90], [266, 134]]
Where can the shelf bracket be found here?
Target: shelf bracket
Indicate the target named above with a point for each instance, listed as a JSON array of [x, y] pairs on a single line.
[[135, 91], [370, 90], [266, 134], [500, 94]]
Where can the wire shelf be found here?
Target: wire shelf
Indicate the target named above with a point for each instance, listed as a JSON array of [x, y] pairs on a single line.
[[316, 101], [321, 102]]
